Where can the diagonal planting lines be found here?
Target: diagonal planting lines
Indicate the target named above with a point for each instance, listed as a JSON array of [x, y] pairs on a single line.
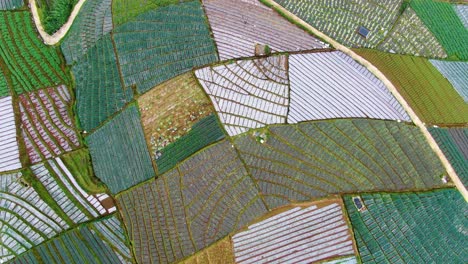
[[451, 172]]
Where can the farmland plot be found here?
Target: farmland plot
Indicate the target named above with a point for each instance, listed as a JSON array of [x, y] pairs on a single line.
[[457, 73], [462, 12], [442, 19], [429, 94], [341, 19], [248, 93], [163, 43], [10, 4], [31, 64], [219, 253], [239, 25], [4, 86], [454, 144], [125, 10], [47, 127], [189, 208], [329, 85], [119, 154], [93, 22], [84, 244], [410, 36], [301, 234], [9, 151], [99, 90], [425, 227], [314, 159]]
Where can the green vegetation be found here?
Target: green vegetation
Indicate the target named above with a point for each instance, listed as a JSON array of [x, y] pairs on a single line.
[[31, 64], [202, 134], [79, 164], [10, 4], [426, 90], [443, 21], [55, 13], [426, 227], [125, 10], [4, 87]]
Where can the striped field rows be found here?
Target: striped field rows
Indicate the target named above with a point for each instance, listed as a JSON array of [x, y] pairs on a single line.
[[9, 151]]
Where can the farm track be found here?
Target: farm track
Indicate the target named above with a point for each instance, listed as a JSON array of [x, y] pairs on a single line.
[[57, 36], [417, 121]]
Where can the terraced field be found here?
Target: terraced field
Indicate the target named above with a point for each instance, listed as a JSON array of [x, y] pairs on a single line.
[[9, 149], [99, 90], [454, 144], [327, 85], [126, 10], [4, 86], [119, 153], [92, 23], [443, 21], [410, 36], [429, 94], [248, 93], [85, 244], [457, 73], [462, 12], [189, 208], [219, 253], [300, 235], [10, 4], [239, 25], [47, 127], [315, 159], [31, 65], [163, 43], [341, 19], [427, 227]]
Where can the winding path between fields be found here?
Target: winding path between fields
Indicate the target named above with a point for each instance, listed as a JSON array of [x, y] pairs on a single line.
[[57, 36], [451, 172]]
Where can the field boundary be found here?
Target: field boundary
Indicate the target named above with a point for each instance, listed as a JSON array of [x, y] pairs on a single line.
[[433, 144], [57, 36]]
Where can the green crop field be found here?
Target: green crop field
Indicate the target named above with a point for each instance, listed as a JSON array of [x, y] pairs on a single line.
[[203, 133], [55, 13], [4, 86], [444, 22], [119, 153], [30, 63], [10, 4], [426, 227], [99, 90], [426, 90], [125, 10], [163, 43]]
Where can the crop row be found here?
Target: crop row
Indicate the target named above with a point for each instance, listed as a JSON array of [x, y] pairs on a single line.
[[410, 36], [248, 93], [427, 227], [119, 153], [189, 208], [4, 86], [93, 22], [9, 151], [315, 159], [456, 72], [10, 4], [31, 64], [162, 44], [238, 26], [462, 12], [47, 127]]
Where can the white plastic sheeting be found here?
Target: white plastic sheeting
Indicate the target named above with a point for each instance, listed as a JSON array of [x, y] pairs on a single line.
[[9, 151]]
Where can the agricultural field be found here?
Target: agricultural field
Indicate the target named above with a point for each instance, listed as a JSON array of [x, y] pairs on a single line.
[[454, 144], [424, 227], [248, 93], [126, 10], [238, 26], [91, 243], [54, 13], [327, 85], [306, 234], [341, 19], [429, 94], [163, 43], [119, 153], [92, 23], [29, 63], [99, 89], [219, 253], [10, 4], [442, 20], [4, 86], [189, 208], [9, 148], [410, 36], [311, 160], [457, 73], [47, 126], [462, 12]]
